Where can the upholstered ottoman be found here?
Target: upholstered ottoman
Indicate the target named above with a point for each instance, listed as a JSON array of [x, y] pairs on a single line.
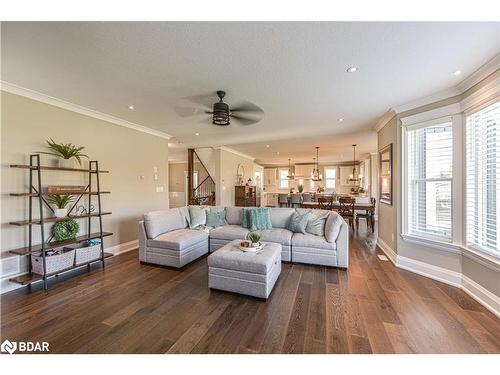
[[252, 274]]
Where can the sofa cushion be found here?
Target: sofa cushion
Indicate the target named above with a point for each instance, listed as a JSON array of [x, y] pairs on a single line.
[[229, 232], [159, 222], [332, 226], [298, 222], [280, 217], [277, 235], [234, 215], [178, 239], [311, 241], [316, 223]]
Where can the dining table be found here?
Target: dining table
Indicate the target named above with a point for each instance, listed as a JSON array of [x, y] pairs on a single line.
[[361, 206]]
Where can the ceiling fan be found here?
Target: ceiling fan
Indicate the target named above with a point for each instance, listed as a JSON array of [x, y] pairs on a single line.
[[243, 113]]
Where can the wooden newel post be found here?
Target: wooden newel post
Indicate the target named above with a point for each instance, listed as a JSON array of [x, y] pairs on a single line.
[[190, 186]]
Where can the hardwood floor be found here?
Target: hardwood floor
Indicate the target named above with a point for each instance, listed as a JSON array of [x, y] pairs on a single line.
[[372, 307]]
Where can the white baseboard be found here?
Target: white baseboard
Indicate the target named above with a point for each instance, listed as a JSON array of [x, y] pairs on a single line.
[[7, 286], [429, 270], [456, 279], [123, 247], [391, 254], [482, 295]]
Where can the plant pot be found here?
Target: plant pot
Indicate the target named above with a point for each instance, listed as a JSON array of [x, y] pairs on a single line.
[[66, 163], [61, 212]]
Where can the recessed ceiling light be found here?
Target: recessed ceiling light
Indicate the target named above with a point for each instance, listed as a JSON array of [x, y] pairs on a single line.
[[352, 69], [131, 107], [197, 134], [457, 72], [340, 119], [278, 153], [267, 146]]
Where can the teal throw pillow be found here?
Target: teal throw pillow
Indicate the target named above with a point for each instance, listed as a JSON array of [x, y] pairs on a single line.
[[216, 218], [259, 219], [245, 222], [197, 216], [298, 222]]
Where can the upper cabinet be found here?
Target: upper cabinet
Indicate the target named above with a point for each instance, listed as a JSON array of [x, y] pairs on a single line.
[[270, 176], [303, 170]]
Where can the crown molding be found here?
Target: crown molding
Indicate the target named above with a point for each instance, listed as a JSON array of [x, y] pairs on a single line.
[[484, 71], [228, 149], [56, 102], [384, 120], [433, 98]]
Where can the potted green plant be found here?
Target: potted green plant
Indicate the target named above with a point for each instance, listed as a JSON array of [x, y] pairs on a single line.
[[60, 202], [254, 237], [66, 152]]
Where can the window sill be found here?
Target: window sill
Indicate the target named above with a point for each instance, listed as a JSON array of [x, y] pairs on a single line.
[[435, 244], [490, 261]]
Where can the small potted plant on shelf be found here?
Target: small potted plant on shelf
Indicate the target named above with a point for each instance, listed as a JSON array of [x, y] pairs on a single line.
[[60, 202], [67, 152], [254, 237]]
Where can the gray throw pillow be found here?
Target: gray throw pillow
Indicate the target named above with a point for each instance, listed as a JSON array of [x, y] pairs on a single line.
[[316, 223], [298, 222], [332, 226], [197, 216]]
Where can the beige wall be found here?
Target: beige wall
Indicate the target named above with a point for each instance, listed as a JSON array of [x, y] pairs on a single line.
[[129, 155], [176, 182], [483, 272], [227, 169], [387, 214]]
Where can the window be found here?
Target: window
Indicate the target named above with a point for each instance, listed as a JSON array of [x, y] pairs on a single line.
[[330, 176], [429, 179], [482, 181], [283, 173]]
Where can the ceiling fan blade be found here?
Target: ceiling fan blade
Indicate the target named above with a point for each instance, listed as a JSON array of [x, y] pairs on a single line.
[[243, 120], [247, 107], [189, 111], [206, 101]]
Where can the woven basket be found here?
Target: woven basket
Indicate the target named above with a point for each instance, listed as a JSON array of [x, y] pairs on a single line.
[[54, 263], [84, 253]]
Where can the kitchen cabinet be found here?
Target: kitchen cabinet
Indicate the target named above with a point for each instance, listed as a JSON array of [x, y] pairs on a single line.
[[270, 176], [345, 172], [303, 170]]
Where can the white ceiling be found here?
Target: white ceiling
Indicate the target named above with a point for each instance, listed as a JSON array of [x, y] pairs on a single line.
[[295, 71]]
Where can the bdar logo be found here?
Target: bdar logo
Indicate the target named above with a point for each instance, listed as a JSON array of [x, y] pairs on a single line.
[[8, 347]]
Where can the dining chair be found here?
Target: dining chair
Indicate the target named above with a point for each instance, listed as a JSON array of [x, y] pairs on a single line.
[[325, 203], [366, 214], [346, 209], [306, 197], [283, 200], [295, 201]]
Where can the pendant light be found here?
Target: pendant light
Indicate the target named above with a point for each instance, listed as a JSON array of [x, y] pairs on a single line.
[[353, 177], [316, 176], [291, 175]]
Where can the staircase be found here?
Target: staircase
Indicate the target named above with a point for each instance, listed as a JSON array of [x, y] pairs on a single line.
[[204, 192]]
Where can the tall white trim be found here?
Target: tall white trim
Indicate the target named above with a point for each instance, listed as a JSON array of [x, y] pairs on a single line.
[[456, 279], [484, 71], [56, 102], [384, 120], [228, 149]]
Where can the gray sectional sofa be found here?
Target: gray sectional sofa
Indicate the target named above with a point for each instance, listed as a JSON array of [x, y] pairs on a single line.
[[166, 239]]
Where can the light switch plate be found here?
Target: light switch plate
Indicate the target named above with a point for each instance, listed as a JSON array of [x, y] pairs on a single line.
[[159, 189]]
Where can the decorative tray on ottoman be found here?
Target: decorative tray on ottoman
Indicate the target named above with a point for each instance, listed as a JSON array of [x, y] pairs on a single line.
[[247, 247]]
